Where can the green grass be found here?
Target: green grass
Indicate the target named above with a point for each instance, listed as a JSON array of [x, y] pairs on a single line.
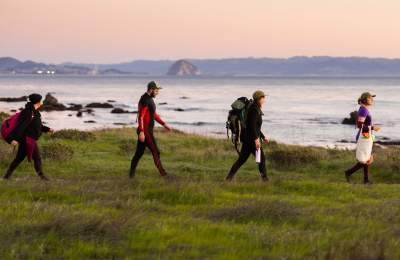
[[90, 209]]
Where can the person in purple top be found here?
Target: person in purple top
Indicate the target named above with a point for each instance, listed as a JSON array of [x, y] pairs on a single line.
[[364, 123]]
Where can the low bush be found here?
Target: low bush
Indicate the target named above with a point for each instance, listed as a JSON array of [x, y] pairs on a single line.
[[6, 152], [57, 152], [3, 116], [127, 147], [292, 155], [73, 134]]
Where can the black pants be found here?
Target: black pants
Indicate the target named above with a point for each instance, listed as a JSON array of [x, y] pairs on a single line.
[[21, 154], [247, 149], [357, 167], [149, 142]]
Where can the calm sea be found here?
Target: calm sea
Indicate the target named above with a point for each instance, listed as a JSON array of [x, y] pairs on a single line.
[[305, 111]]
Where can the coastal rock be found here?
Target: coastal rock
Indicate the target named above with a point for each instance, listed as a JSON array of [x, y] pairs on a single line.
[[99, 105], [75, 107], [388, 143], [81, 111], [183, 68], [51, 103], [14, 99], [352, 120], [121, 111]]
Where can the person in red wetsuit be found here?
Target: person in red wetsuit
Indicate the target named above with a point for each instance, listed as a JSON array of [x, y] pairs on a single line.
[[146, 116]]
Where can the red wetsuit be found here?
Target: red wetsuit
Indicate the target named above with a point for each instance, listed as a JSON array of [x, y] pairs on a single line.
[[146, 116]]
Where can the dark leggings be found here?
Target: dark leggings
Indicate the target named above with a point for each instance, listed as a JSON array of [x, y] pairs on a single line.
[[20, 157], [359, 166], [244, 154], [141, 147]]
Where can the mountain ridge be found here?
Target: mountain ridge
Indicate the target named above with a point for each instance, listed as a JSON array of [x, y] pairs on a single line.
[[292, 66]]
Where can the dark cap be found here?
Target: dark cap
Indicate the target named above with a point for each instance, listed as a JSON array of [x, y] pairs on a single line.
[[153, 85], [35, 98]]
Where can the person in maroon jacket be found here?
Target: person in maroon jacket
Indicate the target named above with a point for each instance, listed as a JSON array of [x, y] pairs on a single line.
[[26, 135], [146, 116]]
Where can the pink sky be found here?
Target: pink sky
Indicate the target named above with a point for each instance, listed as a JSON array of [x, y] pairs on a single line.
[[124, 30]]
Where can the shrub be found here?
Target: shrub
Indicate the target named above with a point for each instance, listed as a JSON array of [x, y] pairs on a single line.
[[73, 134], [127, 147], [6, 153], [3, 116], [57, 151], [387, 161], [292, 155]]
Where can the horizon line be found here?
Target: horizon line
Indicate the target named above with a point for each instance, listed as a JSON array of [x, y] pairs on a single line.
[[220, 58]]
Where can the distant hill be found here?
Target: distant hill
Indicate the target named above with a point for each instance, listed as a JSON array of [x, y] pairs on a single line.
[[183, 68], [294, 66]]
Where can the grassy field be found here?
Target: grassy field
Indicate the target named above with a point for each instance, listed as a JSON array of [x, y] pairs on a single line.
[[90, 209]]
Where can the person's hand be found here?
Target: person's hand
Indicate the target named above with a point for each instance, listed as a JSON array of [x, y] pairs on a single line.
[[14, 143], [258, 144], [51, 130], [377, 128], [167, 127], [266, 140], [141, 137]]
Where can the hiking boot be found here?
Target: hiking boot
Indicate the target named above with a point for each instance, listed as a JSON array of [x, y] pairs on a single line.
[[347, 175], [43, 177], [368, 182], [131, 174], [264, 178], [229, 177]]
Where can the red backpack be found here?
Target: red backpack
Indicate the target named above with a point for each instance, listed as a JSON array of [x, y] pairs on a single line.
[[9, 125]]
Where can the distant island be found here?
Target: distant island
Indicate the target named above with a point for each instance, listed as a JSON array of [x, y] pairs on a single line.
[[183, 68], [294, 66]]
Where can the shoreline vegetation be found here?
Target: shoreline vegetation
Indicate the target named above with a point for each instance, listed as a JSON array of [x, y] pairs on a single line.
[[90, 209]]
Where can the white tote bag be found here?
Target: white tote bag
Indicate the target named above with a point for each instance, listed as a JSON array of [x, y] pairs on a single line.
[[364, 147]]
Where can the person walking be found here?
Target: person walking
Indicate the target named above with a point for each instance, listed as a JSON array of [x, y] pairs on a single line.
[[252, 137], [364, 124], [147, 115], [26, 134]]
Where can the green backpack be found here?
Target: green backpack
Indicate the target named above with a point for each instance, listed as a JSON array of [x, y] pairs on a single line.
[[236, 122]]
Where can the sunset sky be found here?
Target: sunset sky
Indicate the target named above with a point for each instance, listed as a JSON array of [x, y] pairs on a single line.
[[123, 30]]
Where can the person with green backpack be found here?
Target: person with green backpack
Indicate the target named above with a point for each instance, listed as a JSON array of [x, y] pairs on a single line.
[[251, 136]]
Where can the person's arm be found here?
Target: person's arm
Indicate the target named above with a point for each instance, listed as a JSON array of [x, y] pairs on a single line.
[[252, 119], [143, 111], [25, 118], [362, 115], [162, 122], [158, 119]]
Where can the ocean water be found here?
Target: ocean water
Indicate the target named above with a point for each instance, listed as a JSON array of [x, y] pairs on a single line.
[[305, 111]]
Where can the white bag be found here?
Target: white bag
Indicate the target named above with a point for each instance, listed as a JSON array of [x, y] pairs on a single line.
[[364, 147]]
